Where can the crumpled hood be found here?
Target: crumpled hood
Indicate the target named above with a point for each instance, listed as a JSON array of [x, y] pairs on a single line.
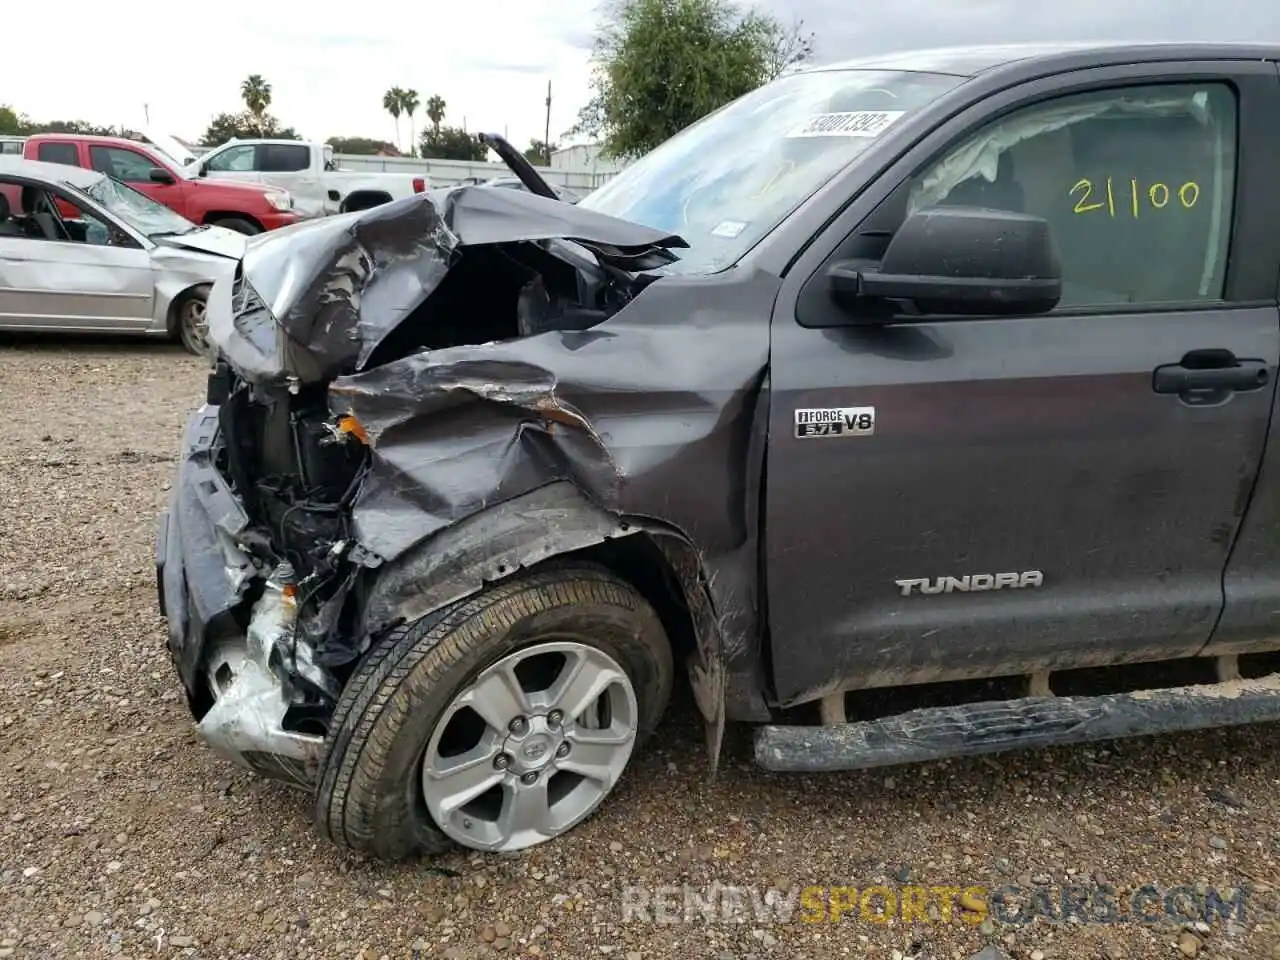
[[316, 299], [218, 241]]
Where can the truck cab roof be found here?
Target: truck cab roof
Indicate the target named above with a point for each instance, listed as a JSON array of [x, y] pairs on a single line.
[[285, 141], [90, 138], [969, 61]]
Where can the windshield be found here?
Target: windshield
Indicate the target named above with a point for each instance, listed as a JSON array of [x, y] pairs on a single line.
[[730, 178], [138, 211]]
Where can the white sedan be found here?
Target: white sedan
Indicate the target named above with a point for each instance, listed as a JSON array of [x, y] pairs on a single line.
[[82, 252]]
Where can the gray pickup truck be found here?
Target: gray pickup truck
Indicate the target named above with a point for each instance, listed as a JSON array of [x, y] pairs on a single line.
[[926, 415]]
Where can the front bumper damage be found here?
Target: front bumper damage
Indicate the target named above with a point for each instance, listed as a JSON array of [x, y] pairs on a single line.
[[645, 401], [203, 573], [251, 690]]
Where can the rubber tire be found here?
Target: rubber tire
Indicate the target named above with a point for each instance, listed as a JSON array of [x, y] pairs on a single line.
[[178, 333], [369, 796], [239, 225]]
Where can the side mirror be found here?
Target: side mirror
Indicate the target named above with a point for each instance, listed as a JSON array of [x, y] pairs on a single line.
[[957, 261], [161, 175]]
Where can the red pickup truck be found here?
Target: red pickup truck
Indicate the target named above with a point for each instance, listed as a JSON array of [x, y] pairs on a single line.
[[245, 208]]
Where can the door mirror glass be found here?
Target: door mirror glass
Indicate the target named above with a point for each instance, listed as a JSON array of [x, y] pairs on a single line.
[[957, 261], [161, 175]]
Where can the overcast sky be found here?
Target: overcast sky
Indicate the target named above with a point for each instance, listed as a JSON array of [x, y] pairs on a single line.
[[330, 63]]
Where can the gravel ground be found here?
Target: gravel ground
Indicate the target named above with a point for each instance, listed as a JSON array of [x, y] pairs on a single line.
[[122, 835]]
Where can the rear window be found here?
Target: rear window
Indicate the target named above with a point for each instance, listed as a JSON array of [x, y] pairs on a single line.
[[284, 158], [64, 153]]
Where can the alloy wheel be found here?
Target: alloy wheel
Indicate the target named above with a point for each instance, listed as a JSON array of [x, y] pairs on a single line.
[[530, 747], [194, 326]]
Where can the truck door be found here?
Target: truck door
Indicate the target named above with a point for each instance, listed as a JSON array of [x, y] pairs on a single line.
[[985, 497], [1251, 620], [134, 168], [290, 167], [235, 162]]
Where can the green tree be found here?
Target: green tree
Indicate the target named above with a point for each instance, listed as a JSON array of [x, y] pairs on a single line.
[[451, 143], [540, 153], [660, 65], [435, 110], [361, 146], [409, 103], [256, 94], [245, 126], [76, 126], [787, 47], [11, 122], [393, 103]]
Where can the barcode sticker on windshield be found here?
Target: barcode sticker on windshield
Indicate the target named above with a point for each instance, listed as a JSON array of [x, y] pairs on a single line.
[[859, 123], [728, 228]]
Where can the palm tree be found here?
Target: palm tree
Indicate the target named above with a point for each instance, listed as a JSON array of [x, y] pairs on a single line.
[[435, 110], [392, 102], [409, 102], [256, 93]]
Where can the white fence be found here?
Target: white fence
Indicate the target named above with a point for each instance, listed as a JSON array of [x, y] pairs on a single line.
[[445, 173]]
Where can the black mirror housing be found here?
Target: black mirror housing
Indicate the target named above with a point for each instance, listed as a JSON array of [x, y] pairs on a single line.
[[161, 175], [961, 261]]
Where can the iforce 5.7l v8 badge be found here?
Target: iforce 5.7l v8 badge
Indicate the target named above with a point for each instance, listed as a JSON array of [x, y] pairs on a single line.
[[836, 422]]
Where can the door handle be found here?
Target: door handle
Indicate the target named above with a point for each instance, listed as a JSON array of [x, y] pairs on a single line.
[[1208, 376]]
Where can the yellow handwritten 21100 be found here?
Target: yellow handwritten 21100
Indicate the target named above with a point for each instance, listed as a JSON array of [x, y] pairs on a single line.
[[1130, 196]]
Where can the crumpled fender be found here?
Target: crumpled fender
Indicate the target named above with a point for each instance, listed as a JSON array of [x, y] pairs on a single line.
[[549, 522], [488, 546]]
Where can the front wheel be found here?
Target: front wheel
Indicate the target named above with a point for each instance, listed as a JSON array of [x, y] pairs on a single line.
[[500, 723], [192, 324], [239, 225]]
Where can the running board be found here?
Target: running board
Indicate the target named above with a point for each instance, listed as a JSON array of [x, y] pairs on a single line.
[[935, 733]]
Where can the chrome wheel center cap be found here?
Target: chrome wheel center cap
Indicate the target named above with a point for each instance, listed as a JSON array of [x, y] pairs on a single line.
[[534, 749]]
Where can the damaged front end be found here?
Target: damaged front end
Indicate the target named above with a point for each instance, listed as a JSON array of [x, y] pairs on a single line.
[[385, 378]]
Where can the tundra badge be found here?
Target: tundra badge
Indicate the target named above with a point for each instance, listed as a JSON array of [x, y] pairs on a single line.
[[836, 422], [972, 583]]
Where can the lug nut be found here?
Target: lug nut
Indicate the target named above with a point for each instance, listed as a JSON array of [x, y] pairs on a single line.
[[563, 749], [529, 779], [554, 718], [501, 761], [518, 725]]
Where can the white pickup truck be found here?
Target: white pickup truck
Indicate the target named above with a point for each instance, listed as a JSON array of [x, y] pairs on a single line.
[[308, 171]]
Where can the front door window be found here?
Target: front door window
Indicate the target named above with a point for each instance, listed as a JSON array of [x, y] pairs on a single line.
[[1137, 184], [234, 160]]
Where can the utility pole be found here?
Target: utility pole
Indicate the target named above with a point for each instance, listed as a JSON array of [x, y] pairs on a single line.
[[546, 142], [146, 112]]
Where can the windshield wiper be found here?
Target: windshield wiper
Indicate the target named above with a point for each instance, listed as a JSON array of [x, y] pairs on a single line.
[[520, 166]]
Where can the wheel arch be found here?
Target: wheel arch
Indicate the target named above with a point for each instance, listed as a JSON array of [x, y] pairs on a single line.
[[557, 524], [213, 216], [175, 293], [364, 199]]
